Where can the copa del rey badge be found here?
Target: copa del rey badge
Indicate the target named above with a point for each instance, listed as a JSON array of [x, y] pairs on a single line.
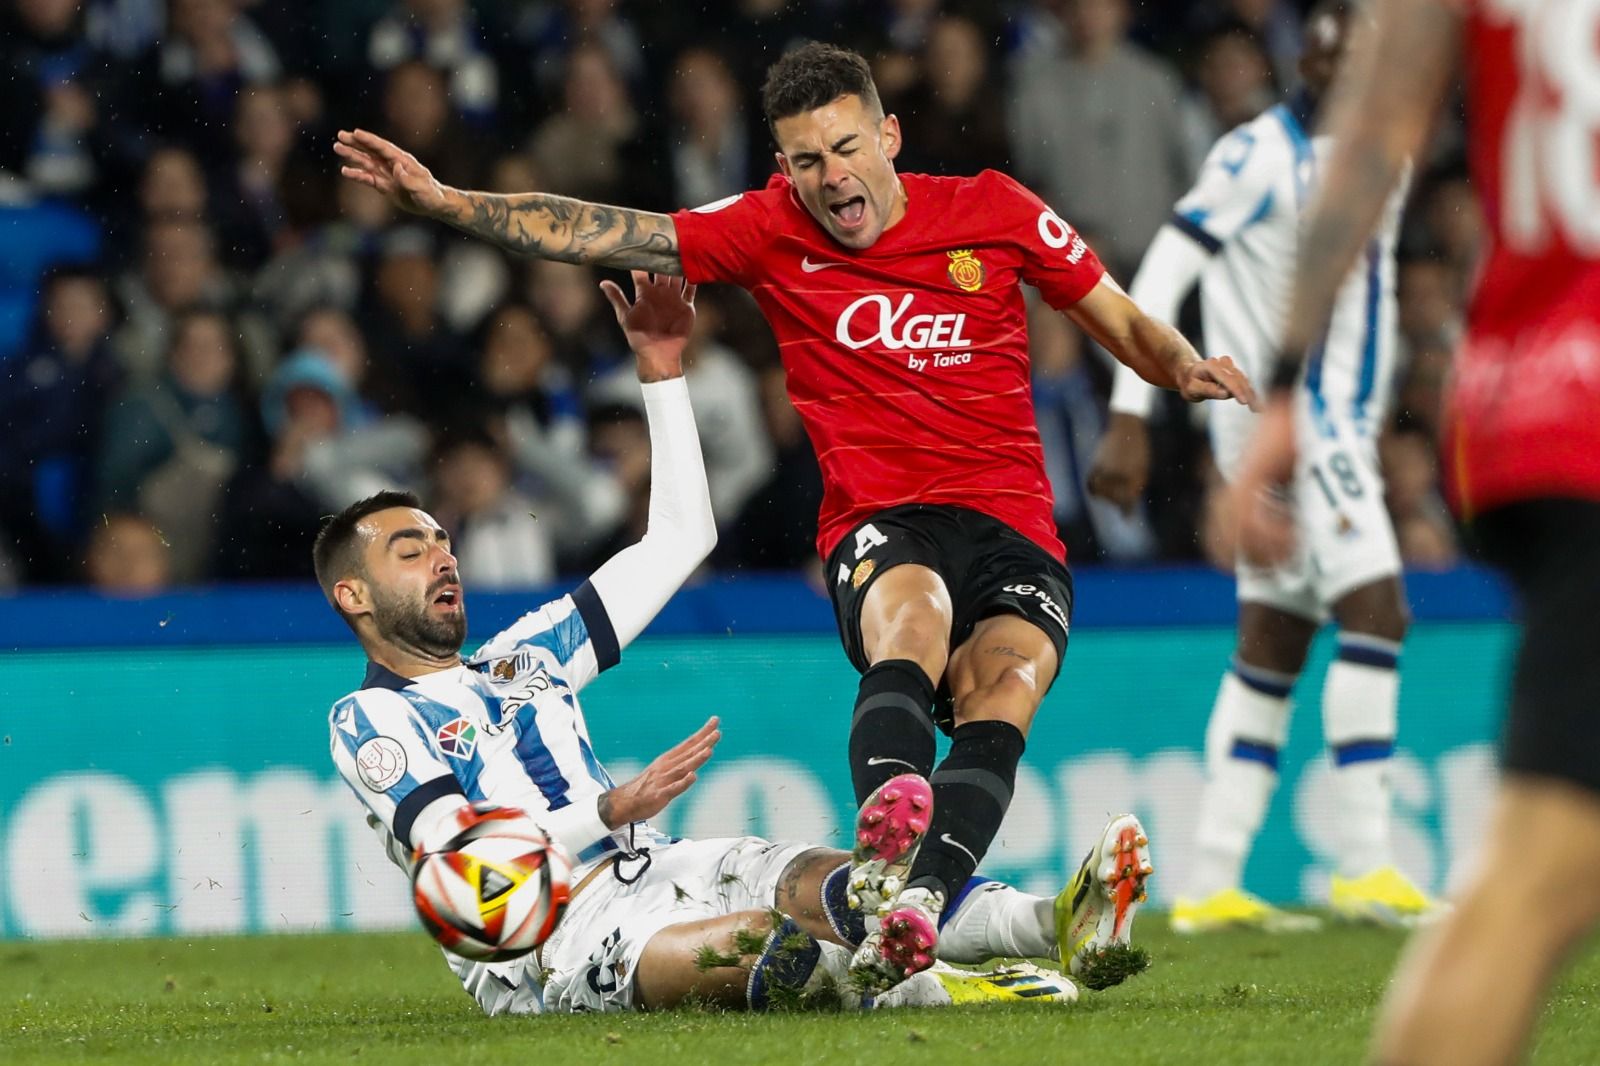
[[966, 271]]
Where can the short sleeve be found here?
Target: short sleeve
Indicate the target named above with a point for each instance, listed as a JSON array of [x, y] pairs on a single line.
[[573, 636], [722, 240], [1056, 259], [385, 754], [1233, 192]]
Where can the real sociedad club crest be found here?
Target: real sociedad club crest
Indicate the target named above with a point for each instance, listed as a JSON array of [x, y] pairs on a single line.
[[966, 271]]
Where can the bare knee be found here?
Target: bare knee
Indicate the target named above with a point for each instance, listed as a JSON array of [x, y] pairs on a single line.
[[1376, 610]]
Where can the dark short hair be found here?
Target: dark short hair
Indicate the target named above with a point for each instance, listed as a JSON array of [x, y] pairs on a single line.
[[814, 75], [336, 553]]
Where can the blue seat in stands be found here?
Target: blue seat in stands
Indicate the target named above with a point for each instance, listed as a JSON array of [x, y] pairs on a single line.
[[33, 239]]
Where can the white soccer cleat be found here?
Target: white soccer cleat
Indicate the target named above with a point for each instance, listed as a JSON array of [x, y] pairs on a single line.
[[942, 985], [1094, 913]]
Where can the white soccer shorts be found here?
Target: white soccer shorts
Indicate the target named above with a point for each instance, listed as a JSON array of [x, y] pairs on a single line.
[[1346, 539]]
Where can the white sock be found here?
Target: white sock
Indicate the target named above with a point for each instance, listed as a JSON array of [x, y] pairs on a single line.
[[1248, 724], [1359, 701], [995, 920]]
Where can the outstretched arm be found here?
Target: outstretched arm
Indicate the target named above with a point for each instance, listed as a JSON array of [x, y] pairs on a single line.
[[536, 224], [1154, 350], [637, 582]]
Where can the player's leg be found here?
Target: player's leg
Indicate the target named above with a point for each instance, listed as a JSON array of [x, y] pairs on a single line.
[[1469, 991], [894, 618], [1360, 701], [752, 960], [1249, 723]]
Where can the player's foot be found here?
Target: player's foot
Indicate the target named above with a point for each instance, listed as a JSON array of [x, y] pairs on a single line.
[[1383, 897], [1233, 908], [944, 986], [889, 830], [1094, 913], [903, 944]]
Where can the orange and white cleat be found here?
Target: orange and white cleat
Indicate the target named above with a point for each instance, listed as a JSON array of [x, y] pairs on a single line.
[[1094, 913]]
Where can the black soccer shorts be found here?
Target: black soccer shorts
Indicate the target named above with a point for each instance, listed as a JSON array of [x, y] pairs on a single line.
[[1551, 550], [989, 568]]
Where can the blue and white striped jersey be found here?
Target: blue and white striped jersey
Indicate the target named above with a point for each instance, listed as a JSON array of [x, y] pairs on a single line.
[[503, 727], [1245, 208]]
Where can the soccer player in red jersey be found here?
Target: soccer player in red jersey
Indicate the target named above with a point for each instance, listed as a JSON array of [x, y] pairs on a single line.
[[897, 306], [1522, 456]]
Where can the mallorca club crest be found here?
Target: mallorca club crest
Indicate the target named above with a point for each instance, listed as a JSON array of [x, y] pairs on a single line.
[[966, 271]]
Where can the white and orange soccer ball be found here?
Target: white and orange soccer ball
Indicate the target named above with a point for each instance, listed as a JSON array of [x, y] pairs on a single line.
[[496, 890]]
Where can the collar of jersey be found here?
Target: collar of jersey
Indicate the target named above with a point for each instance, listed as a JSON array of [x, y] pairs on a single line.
[[383, 677]]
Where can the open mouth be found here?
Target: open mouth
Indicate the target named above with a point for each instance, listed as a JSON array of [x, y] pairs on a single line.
[[850, 212], [448, 597]]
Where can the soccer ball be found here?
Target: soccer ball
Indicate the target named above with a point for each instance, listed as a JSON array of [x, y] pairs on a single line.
[[496, 890]]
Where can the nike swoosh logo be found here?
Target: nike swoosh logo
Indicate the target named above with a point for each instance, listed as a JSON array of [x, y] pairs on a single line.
[[878, 760], [811, 268], [954, 843]]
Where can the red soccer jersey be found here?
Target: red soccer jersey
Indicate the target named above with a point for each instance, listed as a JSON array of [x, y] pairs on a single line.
[[1524, 414], [908, 361]]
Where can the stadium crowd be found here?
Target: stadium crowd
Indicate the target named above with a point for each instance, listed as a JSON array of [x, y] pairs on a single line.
[[208, 341]]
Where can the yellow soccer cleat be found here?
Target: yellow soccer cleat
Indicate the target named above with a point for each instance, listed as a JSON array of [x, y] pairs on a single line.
[[1383, 897], [1233, 908], [945, 986], [1094, 913]]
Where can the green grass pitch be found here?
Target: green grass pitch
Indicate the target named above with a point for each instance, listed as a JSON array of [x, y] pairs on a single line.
[[1236, 999]]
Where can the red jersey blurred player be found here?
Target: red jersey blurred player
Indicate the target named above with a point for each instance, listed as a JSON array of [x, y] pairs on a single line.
[[896, 303], [1522, 457]]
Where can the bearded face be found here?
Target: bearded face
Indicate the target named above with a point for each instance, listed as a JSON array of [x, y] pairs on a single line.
[[414, 621]]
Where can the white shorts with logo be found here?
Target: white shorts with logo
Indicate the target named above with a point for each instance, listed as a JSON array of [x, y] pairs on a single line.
[[590, 961], [1346, 539]]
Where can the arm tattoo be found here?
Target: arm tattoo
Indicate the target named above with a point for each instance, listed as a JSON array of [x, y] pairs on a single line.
[[571, 231]]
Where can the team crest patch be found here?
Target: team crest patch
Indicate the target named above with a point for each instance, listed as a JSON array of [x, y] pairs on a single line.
[[457, 738], [864, 570], [966, 271], [506, 669], [381, 763]]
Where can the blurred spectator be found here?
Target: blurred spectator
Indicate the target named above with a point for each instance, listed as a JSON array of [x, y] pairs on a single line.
[[173, 187], [727, 411], [422, 357], [777, 530], [710, 150], [446, 35], [619, 440], [552, 32], [1421, 393], [128, 556], [52, 399], [417, 116], [321, 456], [530, 402], [586, 147], [212, 53], [1071, 415], [1455, 222], [332, 333], [168, 448], [953, 116], [1430, 301], [52, 77], [179, 271], [1097, 132], [1233, 85], [495, 531], [330, 265], [1274, 23], [581, 327], [253, 220]]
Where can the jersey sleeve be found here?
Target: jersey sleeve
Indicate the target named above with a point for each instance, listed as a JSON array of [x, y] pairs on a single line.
[[574, 634], [1056, 259], [385, 753], [1234, 191], [723, 240]]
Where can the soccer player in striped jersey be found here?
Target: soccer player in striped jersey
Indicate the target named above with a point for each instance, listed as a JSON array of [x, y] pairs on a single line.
[[1236, 233], [429, 732]]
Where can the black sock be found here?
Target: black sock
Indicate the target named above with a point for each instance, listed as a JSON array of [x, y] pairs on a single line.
[[892, 731], [971, 791]]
